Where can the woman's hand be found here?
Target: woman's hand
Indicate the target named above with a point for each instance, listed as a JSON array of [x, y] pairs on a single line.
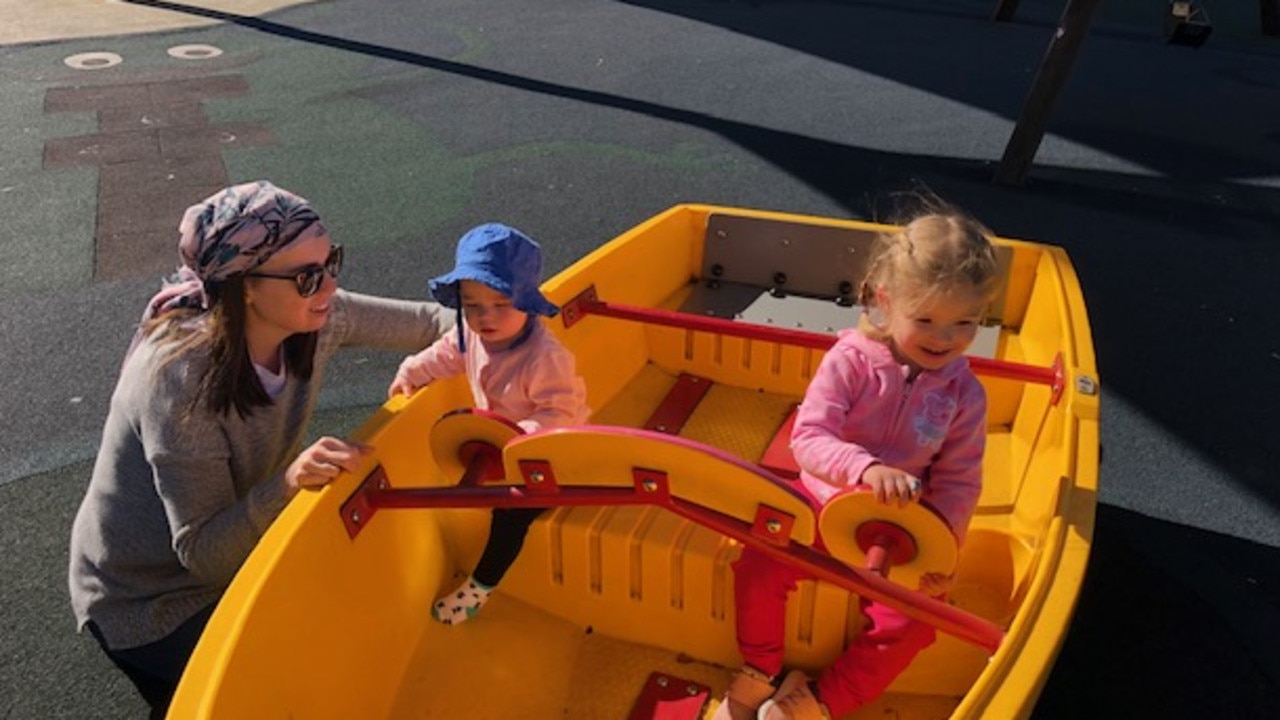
[[935, 584], [891, 484], [319, 464]]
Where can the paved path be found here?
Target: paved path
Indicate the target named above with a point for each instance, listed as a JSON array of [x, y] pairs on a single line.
[[32, 21], [407, 121]]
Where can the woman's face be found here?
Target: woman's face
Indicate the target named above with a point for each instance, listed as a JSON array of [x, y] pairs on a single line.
[[490, 314], [274, 307]]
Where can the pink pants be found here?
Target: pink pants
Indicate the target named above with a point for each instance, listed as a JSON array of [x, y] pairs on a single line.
[[870, 663]]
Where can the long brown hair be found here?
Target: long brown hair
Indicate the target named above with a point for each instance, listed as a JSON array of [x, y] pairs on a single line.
[[229, 379]]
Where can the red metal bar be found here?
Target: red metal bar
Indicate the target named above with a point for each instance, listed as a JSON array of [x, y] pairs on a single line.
[[821, 566], [1052, 376], [878, 560], [944, 617], [751, 331], [484, 463], [513, 496]]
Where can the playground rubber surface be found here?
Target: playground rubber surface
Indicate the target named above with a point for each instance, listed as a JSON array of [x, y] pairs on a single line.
[[408, 121]]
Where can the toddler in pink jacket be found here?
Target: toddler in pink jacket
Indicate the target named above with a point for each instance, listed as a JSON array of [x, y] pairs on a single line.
[[516, 368], [895, 409]]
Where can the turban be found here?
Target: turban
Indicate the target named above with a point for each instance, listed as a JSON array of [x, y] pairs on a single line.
[[232, 232]]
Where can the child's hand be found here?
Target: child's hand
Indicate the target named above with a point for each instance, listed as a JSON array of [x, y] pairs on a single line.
[[890, 484], [401, 386], [935, 584]]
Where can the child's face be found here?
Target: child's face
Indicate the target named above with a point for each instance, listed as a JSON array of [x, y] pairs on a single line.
[[490, 314], [927, 334]]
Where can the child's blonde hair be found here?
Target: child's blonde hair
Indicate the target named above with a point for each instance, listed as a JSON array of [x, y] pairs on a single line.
[[940, 252]]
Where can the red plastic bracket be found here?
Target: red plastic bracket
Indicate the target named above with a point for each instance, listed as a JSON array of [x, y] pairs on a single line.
[[777, 458], [359, 508], [1059, 379], [772, 525], [678, 404], [666, 697], [574, 310], [539, 477], [652, 484]]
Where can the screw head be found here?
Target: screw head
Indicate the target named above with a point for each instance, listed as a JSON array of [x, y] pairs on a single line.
[[774, 526], [1086, 385], [650, 485], [537, 476]]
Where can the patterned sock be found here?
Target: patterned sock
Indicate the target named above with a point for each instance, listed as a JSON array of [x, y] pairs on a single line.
[[462, 604]]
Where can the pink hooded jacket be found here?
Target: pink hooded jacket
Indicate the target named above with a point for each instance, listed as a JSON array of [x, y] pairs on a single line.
[[860, 410], [534, 383]]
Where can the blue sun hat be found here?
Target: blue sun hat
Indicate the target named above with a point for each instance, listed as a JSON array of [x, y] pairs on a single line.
[[503, 258]]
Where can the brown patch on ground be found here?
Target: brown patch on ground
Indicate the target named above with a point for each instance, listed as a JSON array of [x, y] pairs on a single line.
[[156, 155]]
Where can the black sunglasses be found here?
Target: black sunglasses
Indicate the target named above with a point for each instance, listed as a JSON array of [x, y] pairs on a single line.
[[310, 278]]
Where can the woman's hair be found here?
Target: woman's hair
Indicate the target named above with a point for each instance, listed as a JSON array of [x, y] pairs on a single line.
[[229, 379], [940, 251]]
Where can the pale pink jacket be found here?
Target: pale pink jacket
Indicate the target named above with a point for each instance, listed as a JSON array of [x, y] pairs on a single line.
[[534, 383], [860, 410]]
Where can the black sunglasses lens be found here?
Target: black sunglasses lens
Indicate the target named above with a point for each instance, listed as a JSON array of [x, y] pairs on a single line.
[[333, 264], [309, 281]]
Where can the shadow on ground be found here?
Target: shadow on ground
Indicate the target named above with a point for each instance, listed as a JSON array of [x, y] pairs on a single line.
[[1160, 622]]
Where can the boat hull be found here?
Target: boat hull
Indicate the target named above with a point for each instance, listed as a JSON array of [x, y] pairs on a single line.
[[331, 618]]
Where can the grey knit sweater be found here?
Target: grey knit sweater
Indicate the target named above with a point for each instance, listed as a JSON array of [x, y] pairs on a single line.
[[176, 503]]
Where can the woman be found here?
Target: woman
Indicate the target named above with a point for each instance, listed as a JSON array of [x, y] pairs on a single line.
[[202, 447]]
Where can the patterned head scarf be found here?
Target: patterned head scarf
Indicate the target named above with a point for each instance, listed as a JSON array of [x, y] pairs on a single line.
[[232, 232]]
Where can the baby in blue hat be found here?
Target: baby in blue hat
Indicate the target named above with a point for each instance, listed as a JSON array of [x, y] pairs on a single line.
[[516, 368]]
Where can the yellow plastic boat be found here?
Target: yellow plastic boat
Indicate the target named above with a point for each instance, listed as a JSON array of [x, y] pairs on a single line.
[[696, 333]]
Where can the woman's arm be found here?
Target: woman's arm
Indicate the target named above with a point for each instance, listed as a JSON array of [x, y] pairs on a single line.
[[372, 321], [213, 525], [221, 480], [213, 531]]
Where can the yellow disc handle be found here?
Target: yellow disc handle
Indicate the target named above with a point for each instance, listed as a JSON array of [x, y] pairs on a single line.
[[842, 517]]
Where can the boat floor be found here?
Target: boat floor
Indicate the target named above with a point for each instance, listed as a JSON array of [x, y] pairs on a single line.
[[514, 661]]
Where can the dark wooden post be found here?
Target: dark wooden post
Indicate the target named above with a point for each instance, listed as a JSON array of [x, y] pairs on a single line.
[[1050, 78], [1270, 10], [1005, 10]]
